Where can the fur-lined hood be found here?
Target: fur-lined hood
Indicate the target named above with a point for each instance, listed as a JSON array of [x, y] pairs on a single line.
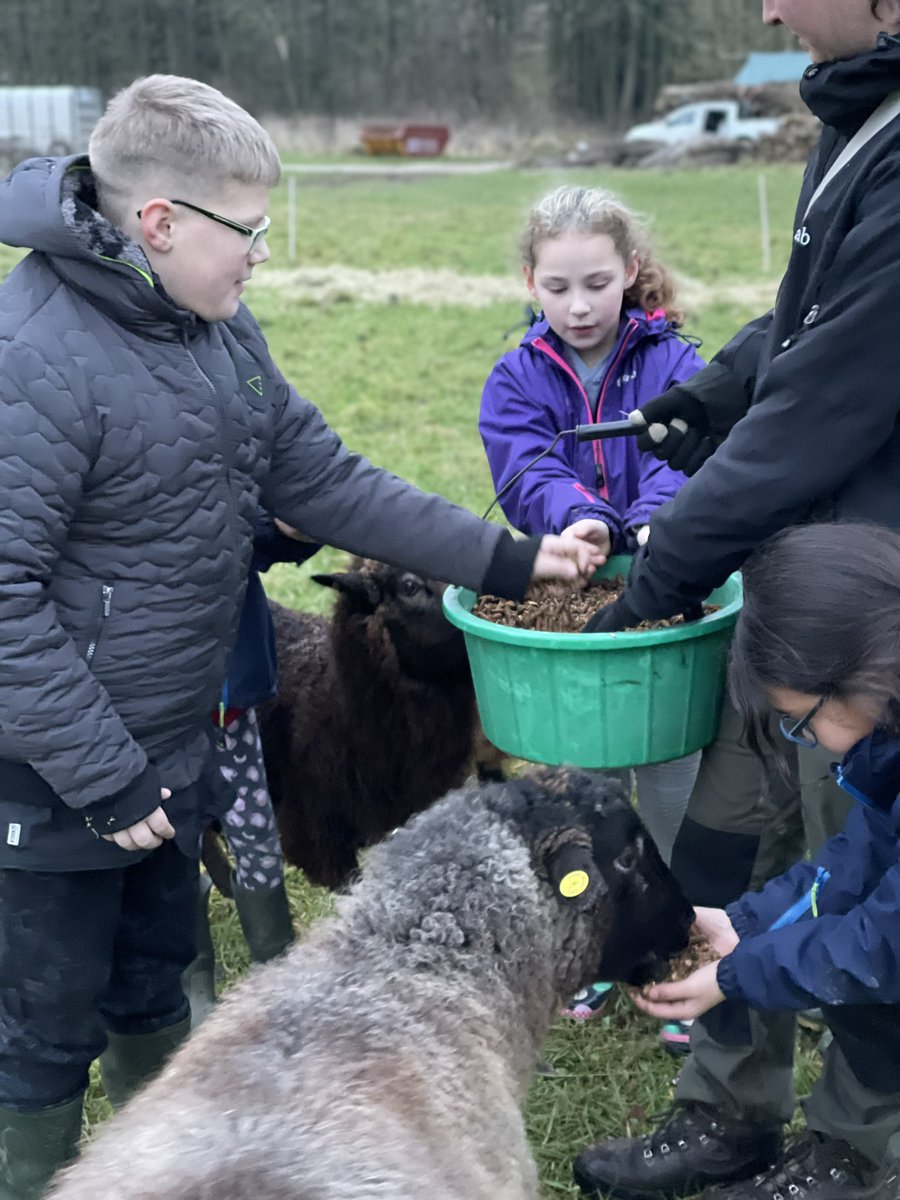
[[50, 205]]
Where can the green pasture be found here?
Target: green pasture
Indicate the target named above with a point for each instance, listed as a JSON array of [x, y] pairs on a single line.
[[401, 382], [705, 222]]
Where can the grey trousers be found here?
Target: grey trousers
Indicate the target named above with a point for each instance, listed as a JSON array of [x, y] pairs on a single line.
[[663, 791], [755, 1083], [740, 802]]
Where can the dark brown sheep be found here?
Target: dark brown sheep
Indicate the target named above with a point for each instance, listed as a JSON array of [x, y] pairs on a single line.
[[375, 717]]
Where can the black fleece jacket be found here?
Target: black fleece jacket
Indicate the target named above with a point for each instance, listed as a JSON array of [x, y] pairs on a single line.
[[820, 440]]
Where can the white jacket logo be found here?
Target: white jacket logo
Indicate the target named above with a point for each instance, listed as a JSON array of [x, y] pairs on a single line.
[[801, 237]]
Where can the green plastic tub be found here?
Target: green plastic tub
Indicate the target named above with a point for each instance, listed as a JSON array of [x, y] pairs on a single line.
[[599, 699]]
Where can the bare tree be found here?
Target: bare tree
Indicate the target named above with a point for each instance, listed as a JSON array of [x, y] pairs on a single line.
[[601, 60]]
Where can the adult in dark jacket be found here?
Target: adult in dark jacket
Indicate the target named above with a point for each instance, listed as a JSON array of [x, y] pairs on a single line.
[[802, 401], [798, 414], [142, 424]]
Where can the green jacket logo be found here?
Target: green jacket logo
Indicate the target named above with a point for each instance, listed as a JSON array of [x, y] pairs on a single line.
[[255, 382]]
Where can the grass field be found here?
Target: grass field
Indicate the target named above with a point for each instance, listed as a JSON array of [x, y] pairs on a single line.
[[400, 378], [402, 382]]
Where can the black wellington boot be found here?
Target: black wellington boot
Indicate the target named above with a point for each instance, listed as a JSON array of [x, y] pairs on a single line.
[[265, 918], [199, 979], [131, 1060], [35, 1145]]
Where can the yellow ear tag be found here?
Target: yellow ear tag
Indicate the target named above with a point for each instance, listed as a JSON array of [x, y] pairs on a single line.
[[574, 883]]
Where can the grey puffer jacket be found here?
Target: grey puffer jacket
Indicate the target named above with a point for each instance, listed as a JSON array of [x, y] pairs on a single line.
[[136, 443]]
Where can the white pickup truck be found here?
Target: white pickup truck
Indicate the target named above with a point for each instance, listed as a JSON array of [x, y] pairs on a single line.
[[709, 119]]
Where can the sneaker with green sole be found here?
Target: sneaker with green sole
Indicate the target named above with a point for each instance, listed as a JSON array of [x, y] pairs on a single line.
[[589, 1002], [676, 1037]]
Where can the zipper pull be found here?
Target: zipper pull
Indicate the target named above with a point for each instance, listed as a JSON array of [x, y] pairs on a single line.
[[822, 876], [223, 708], [807, 903], [106, 592]]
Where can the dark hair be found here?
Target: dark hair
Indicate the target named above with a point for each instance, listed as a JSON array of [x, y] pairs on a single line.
[[821, 615]]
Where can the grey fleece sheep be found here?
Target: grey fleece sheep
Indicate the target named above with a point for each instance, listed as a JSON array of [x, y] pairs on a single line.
[[374, 719], [387, 1056]]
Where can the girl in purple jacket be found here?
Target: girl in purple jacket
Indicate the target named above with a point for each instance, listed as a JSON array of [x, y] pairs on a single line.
[[607, 341]]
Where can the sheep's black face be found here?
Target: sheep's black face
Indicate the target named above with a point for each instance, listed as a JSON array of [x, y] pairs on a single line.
[[427, 645], [410, 608], [650, 917], [590, 842]]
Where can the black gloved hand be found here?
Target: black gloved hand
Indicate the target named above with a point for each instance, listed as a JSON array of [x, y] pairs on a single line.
[[689, 421], [619, 615], [613, 618]]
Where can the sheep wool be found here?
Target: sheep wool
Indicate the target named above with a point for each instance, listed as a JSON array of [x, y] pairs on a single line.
[[387, 1056]]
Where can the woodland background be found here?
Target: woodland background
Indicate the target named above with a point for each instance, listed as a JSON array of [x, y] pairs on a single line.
[[521, 61]]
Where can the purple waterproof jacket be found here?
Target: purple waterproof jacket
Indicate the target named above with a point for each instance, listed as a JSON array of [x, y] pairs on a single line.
[[532, 393]]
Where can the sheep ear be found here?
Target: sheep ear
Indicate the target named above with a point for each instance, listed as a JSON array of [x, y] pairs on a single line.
[[358, 585], [575, 876]]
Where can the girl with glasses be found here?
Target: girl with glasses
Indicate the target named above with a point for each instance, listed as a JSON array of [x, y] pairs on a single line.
[[819, 640]]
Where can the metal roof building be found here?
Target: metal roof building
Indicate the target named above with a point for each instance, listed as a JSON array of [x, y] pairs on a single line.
[[784, 66]]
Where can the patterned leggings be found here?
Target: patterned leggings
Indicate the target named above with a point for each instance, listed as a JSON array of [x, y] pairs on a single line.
[[249, 825]]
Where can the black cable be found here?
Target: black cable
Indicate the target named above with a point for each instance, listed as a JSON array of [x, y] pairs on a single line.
[[519, 474]]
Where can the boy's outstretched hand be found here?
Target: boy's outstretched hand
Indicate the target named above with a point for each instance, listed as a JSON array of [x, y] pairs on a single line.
[[146, 834], [571, 554]]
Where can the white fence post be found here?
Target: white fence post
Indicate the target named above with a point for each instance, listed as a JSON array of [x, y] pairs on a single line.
[[764, 224], [292, 217]]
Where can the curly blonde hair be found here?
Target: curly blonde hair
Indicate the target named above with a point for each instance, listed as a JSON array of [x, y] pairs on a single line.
[[595, 210]]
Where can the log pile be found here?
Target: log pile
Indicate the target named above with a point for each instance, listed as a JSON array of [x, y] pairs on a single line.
[[793, 140], [708, 152]]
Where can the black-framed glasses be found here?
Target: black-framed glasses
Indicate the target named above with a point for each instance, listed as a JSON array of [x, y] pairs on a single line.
[[799, 731], [255, 235]]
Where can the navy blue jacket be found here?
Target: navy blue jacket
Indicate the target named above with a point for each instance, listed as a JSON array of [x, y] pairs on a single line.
[[846, 959], [251, 669]]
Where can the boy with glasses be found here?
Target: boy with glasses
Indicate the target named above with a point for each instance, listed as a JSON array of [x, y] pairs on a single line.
[[142, 425]]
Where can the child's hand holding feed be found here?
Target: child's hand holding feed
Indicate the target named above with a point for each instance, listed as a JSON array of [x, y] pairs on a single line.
[[564, 557], [594, 534]]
